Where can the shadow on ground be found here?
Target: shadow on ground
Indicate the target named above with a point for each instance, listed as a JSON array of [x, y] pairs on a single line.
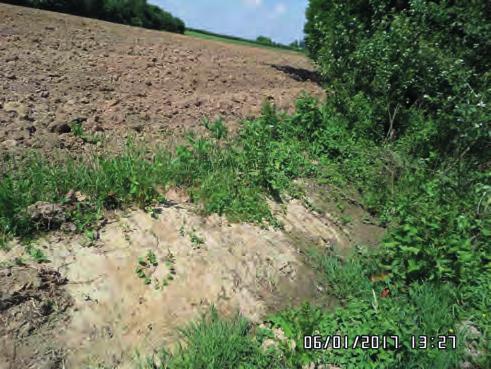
[[299, 74]]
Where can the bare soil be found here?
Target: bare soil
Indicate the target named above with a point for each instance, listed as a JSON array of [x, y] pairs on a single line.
[[124, 80], [235, 267], [32, 307]]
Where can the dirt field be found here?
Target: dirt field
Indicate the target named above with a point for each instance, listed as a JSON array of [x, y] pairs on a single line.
[[123, 80]]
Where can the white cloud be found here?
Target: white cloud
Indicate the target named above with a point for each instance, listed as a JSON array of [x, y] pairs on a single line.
[[253, 3], [280, 9]]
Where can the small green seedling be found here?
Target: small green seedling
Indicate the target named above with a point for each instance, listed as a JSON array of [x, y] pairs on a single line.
[[152, 258], [150, 262], [195, 239], [77, 128], [346, 219], [91, 236], [140, 272], [37, 255]]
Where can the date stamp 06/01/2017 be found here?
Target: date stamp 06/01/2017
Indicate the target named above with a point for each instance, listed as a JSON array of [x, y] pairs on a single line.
[[369, 342]]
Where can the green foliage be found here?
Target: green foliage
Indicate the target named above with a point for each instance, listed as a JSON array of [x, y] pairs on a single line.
[[36, 254], [439, 234], [78, 131], [107, 182], [264, 40], [152, 258], [410, 101], [133, 12], [392, 317], [217, 129], [347, 280], [231, 178], [408, 127], [196, 240], [403, 60], [213, 342], [425, 309]]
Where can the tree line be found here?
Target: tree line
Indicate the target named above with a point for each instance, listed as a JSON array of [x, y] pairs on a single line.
[[297, 44], [132, 12]]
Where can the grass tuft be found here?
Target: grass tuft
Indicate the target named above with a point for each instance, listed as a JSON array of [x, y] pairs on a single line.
[[214, 342]]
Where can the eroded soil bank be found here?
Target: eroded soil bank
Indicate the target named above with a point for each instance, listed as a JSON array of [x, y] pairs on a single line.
[[145, 276]]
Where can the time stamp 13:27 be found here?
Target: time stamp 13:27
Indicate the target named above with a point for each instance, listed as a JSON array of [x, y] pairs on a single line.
[[368, 342]]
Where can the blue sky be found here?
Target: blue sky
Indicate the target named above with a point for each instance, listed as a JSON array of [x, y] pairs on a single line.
[[281, 20]]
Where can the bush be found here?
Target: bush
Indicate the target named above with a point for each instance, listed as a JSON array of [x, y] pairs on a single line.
[[407, 124], [403, 58], [408, 82], [264, 40]]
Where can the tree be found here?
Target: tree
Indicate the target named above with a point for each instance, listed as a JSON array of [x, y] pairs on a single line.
[[264, 40], [297, 44]]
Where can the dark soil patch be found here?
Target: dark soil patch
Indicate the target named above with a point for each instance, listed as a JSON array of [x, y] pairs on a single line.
[[32, 305]]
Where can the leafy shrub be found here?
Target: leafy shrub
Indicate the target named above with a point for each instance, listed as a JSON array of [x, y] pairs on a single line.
[[396, 58], [264, 40], [409, 111], [409, 127], [437, 234]]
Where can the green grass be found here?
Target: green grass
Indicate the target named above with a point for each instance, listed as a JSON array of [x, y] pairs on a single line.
[[213, 342], [426, 310], [236, 40], [232, 178], [105, 182]]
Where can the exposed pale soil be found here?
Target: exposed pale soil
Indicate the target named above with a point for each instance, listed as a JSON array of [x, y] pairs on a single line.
[[238, 267], [123, 80]]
